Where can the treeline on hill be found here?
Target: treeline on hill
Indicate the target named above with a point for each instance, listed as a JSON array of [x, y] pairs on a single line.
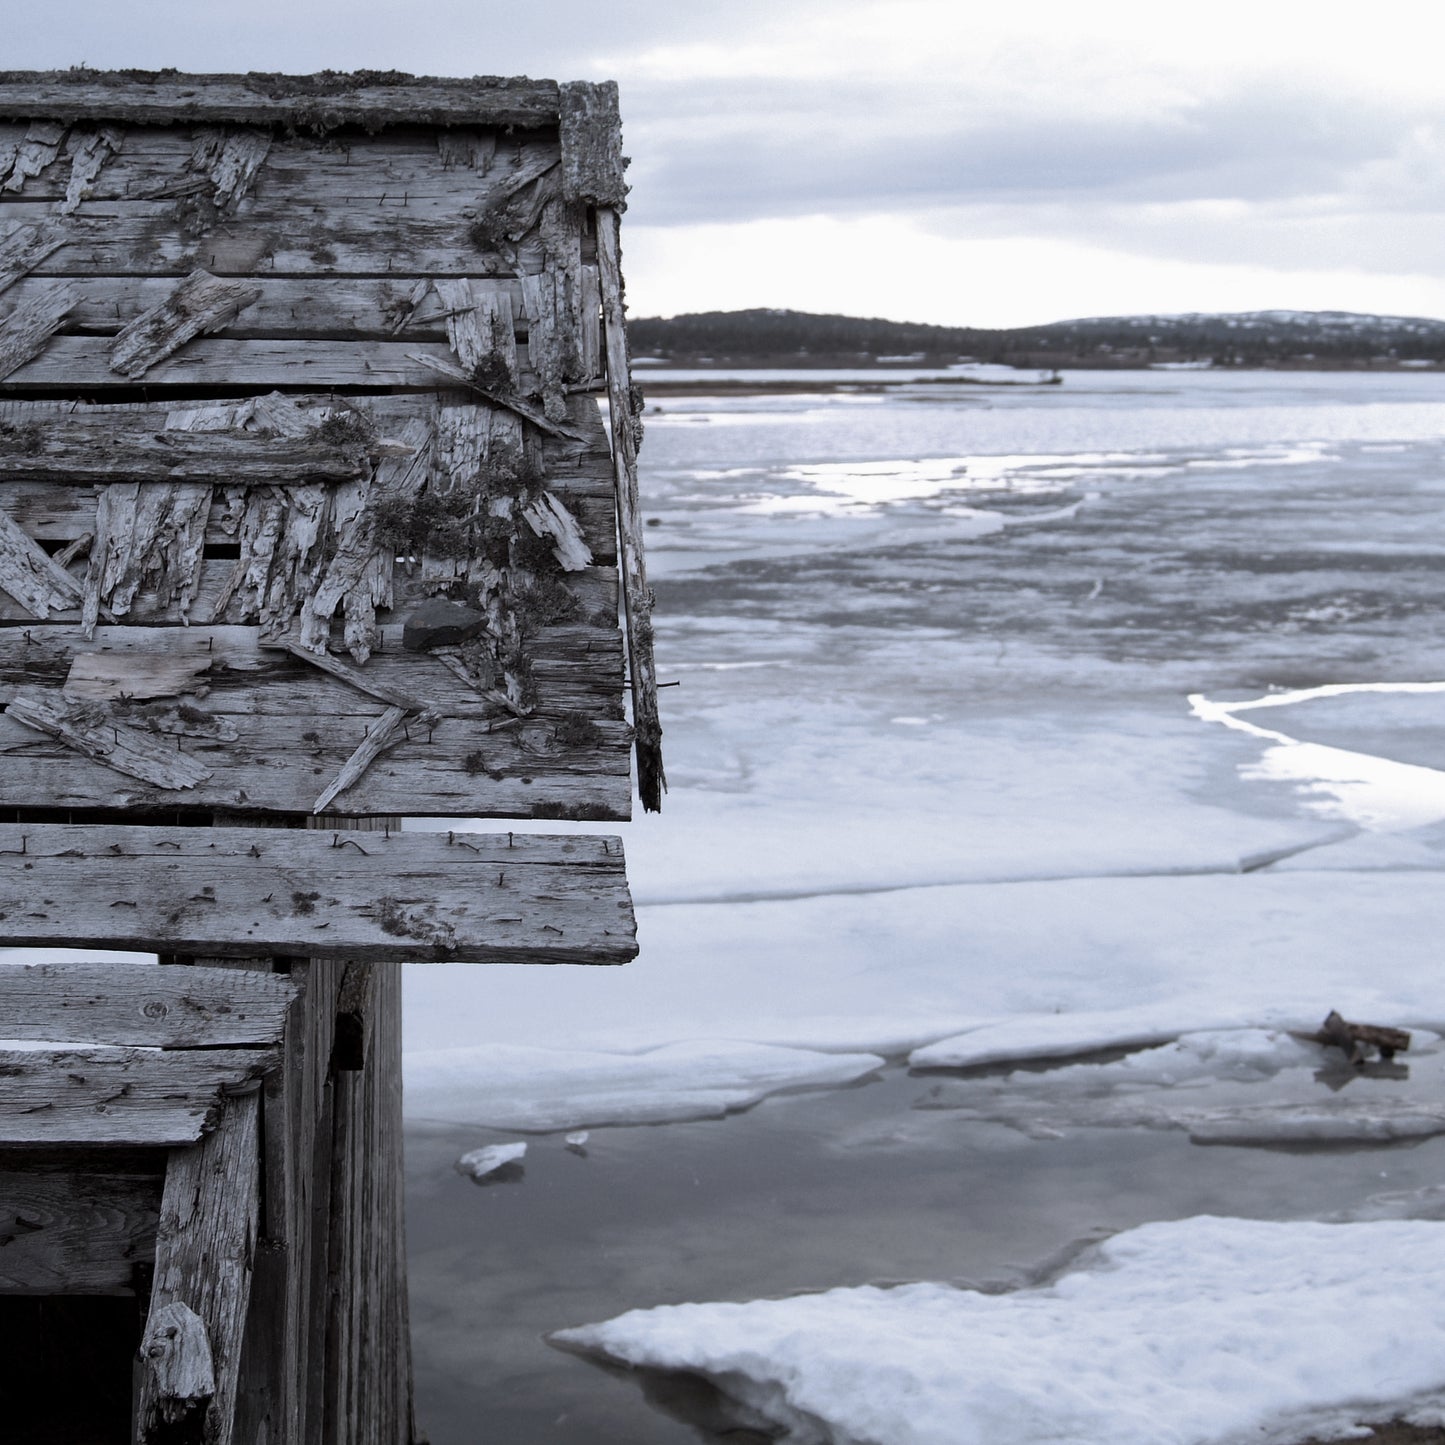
[[1256, 338]]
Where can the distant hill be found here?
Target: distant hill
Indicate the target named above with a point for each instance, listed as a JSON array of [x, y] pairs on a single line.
[[1310, 339]]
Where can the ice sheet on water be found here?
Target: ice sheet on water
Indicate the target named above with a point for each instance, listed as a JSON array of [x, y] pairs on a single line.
[[1371, 789], [1047, 969], [536, 1090], [1205, 1331], [1244, 1086], [1157, 1031]]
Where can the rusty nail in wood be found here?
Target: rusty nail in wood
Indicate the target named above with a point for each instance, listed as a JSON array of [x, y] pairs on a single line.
[[509, 840]]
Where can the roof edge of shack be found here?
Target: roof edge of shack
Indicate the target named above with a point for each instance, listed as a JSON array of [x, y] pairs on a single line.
[[317, 103]]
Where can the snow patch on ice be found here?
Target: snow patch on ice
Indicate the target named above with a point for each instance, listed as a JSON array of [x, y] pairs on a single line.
[[1203, 1331]]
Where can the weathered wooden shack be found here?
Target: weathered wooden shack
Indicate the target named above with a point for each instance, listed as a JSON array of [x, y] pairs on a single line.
[[309, 519]]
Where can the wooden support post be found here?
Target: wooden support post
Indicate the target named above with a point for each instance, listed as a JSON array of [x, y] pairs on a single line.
[[204, 1247], [636, 595]]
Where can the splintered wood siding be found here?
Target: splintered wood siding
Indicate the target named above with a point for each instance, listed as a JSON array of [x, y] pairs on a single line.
[[304, 503]]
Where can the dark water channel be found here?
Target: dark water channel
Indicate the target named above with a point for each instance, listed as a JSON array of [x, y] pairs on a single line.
[[873, 1184]]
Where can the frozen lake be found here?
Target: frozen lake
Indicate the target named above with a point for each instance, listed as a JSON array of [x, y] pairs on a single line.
[[1013, 725]]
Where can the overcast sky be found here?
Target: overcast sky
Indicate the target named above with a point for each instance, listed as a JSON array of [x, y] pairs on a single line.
[[991, 164]]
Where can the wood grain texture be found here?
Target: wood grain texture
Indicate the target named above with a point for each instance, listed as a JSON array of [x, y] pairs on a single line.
[[94, 732], [142, 1006], [27, 329], [81, 1229], [205, 1242], [83, 362], [286, 308], [22, 248], [591, 135], [321, 102], [98, 448], [28, 575], [119, 1098], [479, 898], [200, 306], [367, 1384]]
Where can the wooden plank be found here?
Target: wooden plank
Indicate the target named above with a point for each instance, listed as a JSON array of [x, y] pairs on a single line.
[[95, 734], [591, 136], [87, 448], [233, 672], [143, 1006], [637, 596], [89, 151], [27, 329], [284, 236], [204, 1246], [40, 585], [384, 734], [484, 898], [22, 248], [132, 1098], [82, 363], [37, 149], [320, 103], [286, 307], [393, 167], [200, 306], [81, 1229], [461, 770]]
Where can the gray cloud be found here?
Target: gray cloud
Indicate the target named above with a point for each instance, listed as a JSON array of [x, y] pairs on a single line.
[[843, 153]]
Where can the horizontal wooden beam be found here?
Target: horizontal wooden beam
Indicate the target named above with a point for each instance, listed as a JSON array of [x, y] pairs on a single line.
[[279, 238], [71, 362], [142, 1005], [132, 1098], [95, 449], [336, 307], [81, 1230], [389, 897], [311, 102]]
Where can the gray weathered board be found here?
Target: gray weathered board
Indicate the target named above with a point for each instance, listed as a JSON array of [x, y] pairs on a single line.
[[399, 289], [132, 1098], [143, 1005], [463, 897]]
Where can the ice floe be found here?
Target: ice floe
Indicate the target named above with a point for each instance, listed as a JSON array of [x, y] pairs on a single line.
[[491, 1161], [1205, 1331]]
